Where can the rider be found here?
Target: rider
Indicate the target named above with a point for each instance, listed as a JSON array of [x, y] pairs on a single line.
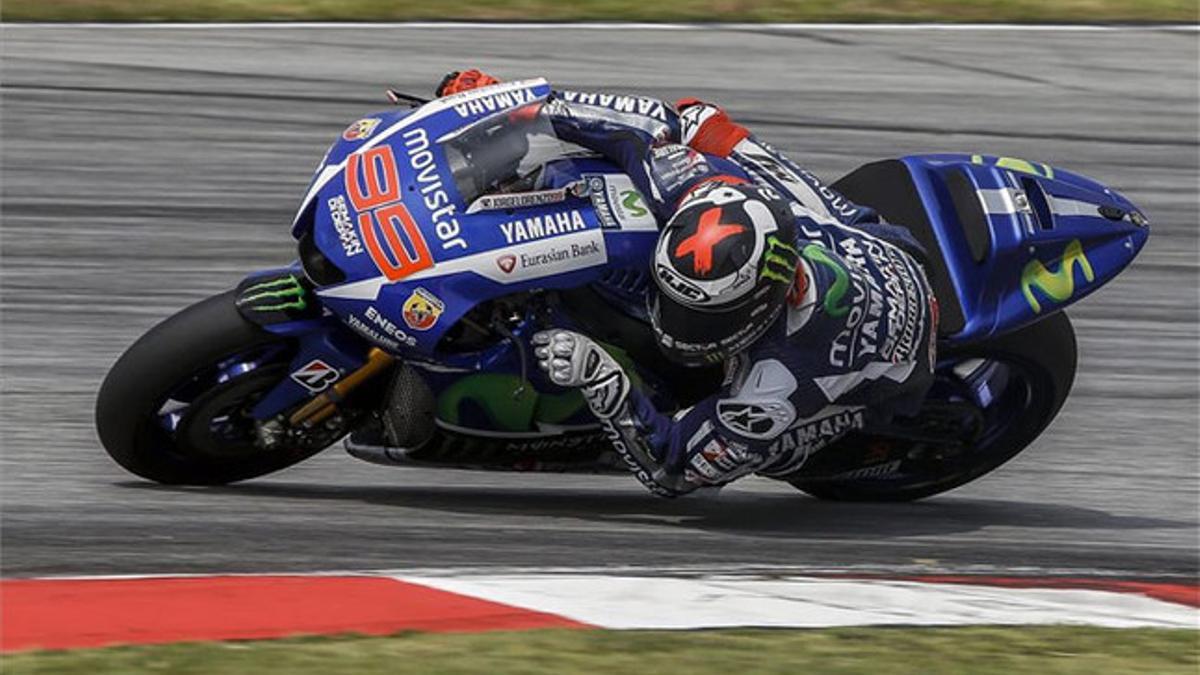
[[821, 314]]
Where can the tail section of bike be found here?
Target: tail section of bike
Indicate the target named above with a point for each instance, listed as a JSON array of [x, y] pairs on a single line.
[[1012, 241]]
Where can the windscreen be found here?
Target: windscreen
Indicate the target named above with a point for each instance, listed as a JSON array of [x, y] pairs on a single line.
[[503, 153]]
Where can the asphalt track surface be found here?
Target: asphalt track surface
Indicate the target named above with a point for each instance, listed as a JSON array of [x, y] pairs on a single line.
[[145, 168]]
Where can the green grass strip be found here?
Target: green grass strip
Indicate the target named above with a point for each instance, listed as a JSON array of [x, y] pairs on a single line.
[[986, 11], [928, 651]]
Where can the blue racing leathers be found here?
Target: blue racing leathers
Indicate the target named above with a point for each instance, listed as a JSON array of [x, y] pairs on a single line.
[[854, 346]]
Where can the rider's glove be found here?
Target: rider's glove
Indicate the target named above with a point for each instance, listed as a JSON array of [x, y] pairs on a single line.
[[707, 128], [574, 360], [464, 80]]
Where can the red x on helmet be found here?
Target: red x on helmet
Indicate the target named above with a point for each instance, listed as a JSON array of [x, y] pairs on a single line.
[[723, 267]]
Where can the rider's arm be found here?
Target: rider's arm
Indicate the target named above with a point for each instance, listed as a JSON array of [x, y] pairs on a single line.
[[707, 128], [640, 135], [724, 437]]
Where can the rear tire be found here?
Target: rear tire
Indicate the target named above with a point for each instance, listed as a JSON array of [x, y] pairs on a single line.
[[1047, 352], [128, 407]]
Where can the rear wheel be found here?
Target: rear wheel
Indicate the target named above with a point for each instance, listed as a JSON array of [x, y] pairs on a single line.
[[990, 401], [175, 408]]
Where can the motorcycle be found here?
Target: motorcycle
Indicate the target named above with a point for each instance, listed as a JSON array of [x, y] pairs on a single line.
[[436, 238]]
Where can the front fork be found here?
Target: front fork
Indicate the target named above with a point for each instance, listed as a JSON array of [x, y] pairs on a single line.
[[330, 361]]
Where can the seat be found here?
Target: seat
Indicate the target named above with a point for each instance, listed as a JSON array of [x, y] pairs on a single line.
[[888, 187]]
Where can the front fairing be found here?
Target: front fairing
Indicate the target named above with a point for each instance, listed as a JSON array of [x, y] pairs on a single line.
[[409, 265]]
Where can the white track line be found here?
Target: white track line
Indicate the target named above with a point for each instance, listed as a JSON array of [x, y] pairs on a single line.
[[652, 598], [806, 602], [618, 26]]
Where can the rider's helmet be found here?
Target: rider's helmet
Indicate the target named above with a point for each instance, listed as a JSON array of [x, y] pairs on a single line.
[[723, 267]]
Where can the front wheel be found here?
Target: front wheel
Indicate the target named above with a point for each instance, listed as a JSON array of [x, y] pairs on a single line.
[[990, 400], [175, 408]]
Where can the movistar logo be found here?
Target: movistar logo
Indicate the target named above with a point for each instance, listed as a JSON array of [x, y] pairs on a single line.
[[1016, 164], [841, 282], [275, 295], [1060, 285], [632, 200], [779, 262]]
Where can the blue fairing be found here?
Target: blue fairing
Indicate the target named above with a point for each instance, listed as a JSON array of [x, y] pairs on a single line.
[[405, 254], [473, 257], [1050, 236]]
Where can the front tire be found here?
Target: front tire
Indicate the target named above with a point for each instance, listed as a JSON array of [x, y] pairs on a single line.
[[1043, 357], [174, 407]]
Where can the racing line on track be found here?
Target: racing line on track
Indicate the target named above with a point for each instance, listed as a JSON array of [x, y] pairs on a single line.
[[95, 612]]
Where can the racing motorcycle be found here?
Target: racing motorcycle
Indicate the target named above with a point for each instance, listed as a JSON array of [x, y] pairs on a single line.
[[438, 236]]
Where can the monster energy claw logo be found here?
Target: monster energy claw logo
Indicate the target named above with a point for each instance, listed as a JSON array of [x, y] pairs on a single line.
[[841, 282], [1060, 285], [779, 262], [275, 296]]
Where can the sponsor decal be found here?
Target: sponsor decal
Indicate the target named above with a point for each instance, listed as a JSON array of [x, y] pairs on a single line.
[[388, 327], [276, 295], [795, 445], [362, 328], [372, 182], [633, 202], [1015, 164], [693, 118], [522, 200], [1058, 286], [635, 467], [433, 193], [799, 182], [636, 105], [347, 236], [490, 401], [618, 204], [877, 471], [779, 261], [586, 251], [762, 419], [361, 130], [878, 294], [832, 302], [684, 289], [495, 102], [551, 256], [542, 226], [316, 376], [422, 309], [674, 165]]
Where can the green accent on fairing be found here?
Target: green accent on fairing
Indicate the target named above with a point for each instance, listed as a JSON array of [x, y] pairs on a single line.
[[286, 287], [841, 283], [494, 394], [632, 200], [782, 255], [1015, 164], [1060, 285]]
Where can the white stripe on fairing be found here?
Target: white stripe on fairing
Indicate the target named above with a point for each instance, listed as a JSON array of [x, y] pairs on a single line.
[[425, 111], [997, 201], [657, 602], [1072, 207], [639, 26], [482, 263]]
